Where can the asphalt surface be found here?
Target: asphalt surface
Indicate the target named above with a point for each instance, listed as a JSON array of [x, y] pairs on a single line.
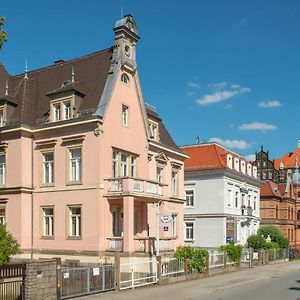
[[273, 282]]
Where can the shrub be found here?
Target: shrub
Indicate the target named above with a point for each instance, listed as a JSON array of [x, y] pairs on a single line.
[[275, 235], [233, 251], [271, 245], [196, 258], [8, 245], [256, 241]]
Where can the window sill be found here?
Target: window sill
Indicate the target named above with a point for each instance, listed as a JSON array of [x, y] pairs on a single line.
[[46, 185], [47, 237], [74, 183], [189, 241], [189, 207], [74, 238]]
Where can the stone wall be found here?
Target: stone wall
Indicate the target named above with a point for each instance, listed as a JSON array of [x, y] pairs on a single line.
[[41, 280]]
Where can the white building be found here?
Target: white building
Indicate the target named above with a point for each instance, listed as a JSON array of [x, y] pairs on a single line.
[[222, 196]]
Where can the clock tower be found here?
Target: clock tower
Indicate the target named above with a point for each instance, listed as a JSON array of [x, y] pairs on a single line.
[[126, 38]]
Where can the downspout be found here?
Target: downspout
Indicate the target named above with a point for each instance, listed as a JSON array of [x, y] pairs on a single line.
[[32, 210], [158, 227]]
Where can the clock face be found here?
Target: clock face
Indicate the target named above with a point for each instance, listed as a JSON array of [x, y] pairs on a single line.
[[127, 50]]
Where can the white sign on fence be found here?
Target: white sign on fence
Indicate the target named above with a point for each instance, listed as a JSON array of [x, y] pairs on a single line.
[[96, 271], [66, 275]]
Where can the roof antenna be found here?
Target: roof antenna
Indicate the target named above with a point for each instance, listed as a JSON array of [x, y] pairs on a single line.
[[6, 88], [73, 75], [26, 69]]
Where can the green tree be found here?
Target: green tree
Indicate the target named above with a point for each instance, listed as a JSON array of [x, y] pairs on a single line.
[[8, 245], [275, 235], [3, 34], [256, 241]]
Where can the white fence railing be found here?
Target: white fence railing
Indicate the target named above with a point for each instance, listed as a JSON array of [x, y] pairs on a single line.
[[138, 273], [172, 267]]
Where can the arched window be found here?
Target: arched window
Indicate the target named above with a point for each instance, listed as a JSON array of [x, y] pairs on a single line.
[[125, 78]]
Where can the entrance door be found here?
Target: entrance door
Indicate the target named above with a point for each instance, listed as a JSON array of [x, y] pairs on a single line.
[[118, 222]]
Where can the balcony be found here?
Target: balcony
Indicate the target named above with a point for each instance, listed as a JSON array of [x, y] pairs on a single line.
[[128, 185], [115, 244]]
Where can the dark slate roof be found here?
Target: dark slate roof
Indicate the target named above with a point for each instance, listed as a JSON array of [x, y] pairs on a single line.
[[31, 97]]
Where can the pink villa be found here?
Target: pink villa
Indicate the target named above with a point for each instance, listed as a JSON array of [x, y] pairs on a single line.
[[86, 167]]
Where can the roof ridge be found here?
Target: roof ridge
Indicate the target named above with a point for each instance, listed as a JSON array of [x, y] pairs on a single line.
[[65, 62], [218, 155]]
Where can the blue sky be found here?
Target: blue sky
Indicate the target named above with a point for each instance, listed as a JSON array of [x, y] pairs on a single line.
[[222, 70]]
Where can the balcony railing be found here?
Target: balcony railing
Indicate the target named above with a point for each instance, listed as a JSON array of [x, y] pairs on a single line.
[[127, 185], [115, 244]]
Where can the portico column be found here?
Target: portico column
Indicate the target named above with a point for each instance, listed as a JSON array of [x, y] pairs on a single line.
[[128, 225]]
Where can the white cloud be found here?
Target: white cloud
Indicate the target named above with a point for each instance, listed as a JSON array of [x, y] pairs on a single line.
[[263, 127], [218, 85], [250, 157], [219, 94], [232, 144], [269, 104], [193, 85]]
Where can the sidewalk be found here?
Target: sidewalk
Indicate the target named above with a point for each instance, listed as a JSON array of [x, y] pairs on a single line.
[[200, 287]]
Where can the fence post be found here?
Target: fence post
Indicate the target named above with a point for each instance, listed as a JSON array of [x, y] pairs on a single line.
[[186, 266], [267, 255], [225, 261], [251, 257], [58, 277], [88, 279], [207, 265], [259, 257], [158, 258], [118, 271], [103, 277]]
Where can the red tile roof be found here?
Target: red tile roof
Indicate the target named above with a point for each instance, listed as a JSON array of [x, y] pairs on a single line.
[[288, 159], [207, 157], [270, 188]]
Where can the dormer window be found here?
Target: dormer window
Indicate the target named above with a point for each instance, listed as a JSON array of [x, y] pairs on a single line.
[[57, 113], [153, 127], [236, 164], [67, 109], [124, 78], [229, 161], [62, 110]]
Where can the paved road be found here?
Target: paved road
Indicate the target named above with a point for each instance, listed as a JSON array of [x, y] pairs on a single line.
[[274, 282]]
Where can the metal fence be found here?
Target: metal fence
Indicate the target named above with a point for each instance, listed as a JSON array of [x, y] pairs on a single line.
[[12, 279], [87, 280], [138, 273], [276, 255], [172, 267]]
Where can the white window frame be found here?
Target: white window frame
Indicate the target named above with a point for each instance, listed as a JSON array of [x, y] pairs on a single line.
[[2, 215], [125, 110], [2, 116], [77, 218], [188, 198], [48, 167], [153, 127], [229, 200], [174, 225], [75, 162], [48, 221], [57, 112], [189, 231], [159, 173], [125, 78], [174, 182], [2, 169], [67, 110], [122, 167]]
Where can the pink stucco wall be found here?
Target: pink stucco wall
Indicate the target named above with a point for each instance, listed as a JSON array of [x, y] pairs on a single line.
[[91, 194]]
